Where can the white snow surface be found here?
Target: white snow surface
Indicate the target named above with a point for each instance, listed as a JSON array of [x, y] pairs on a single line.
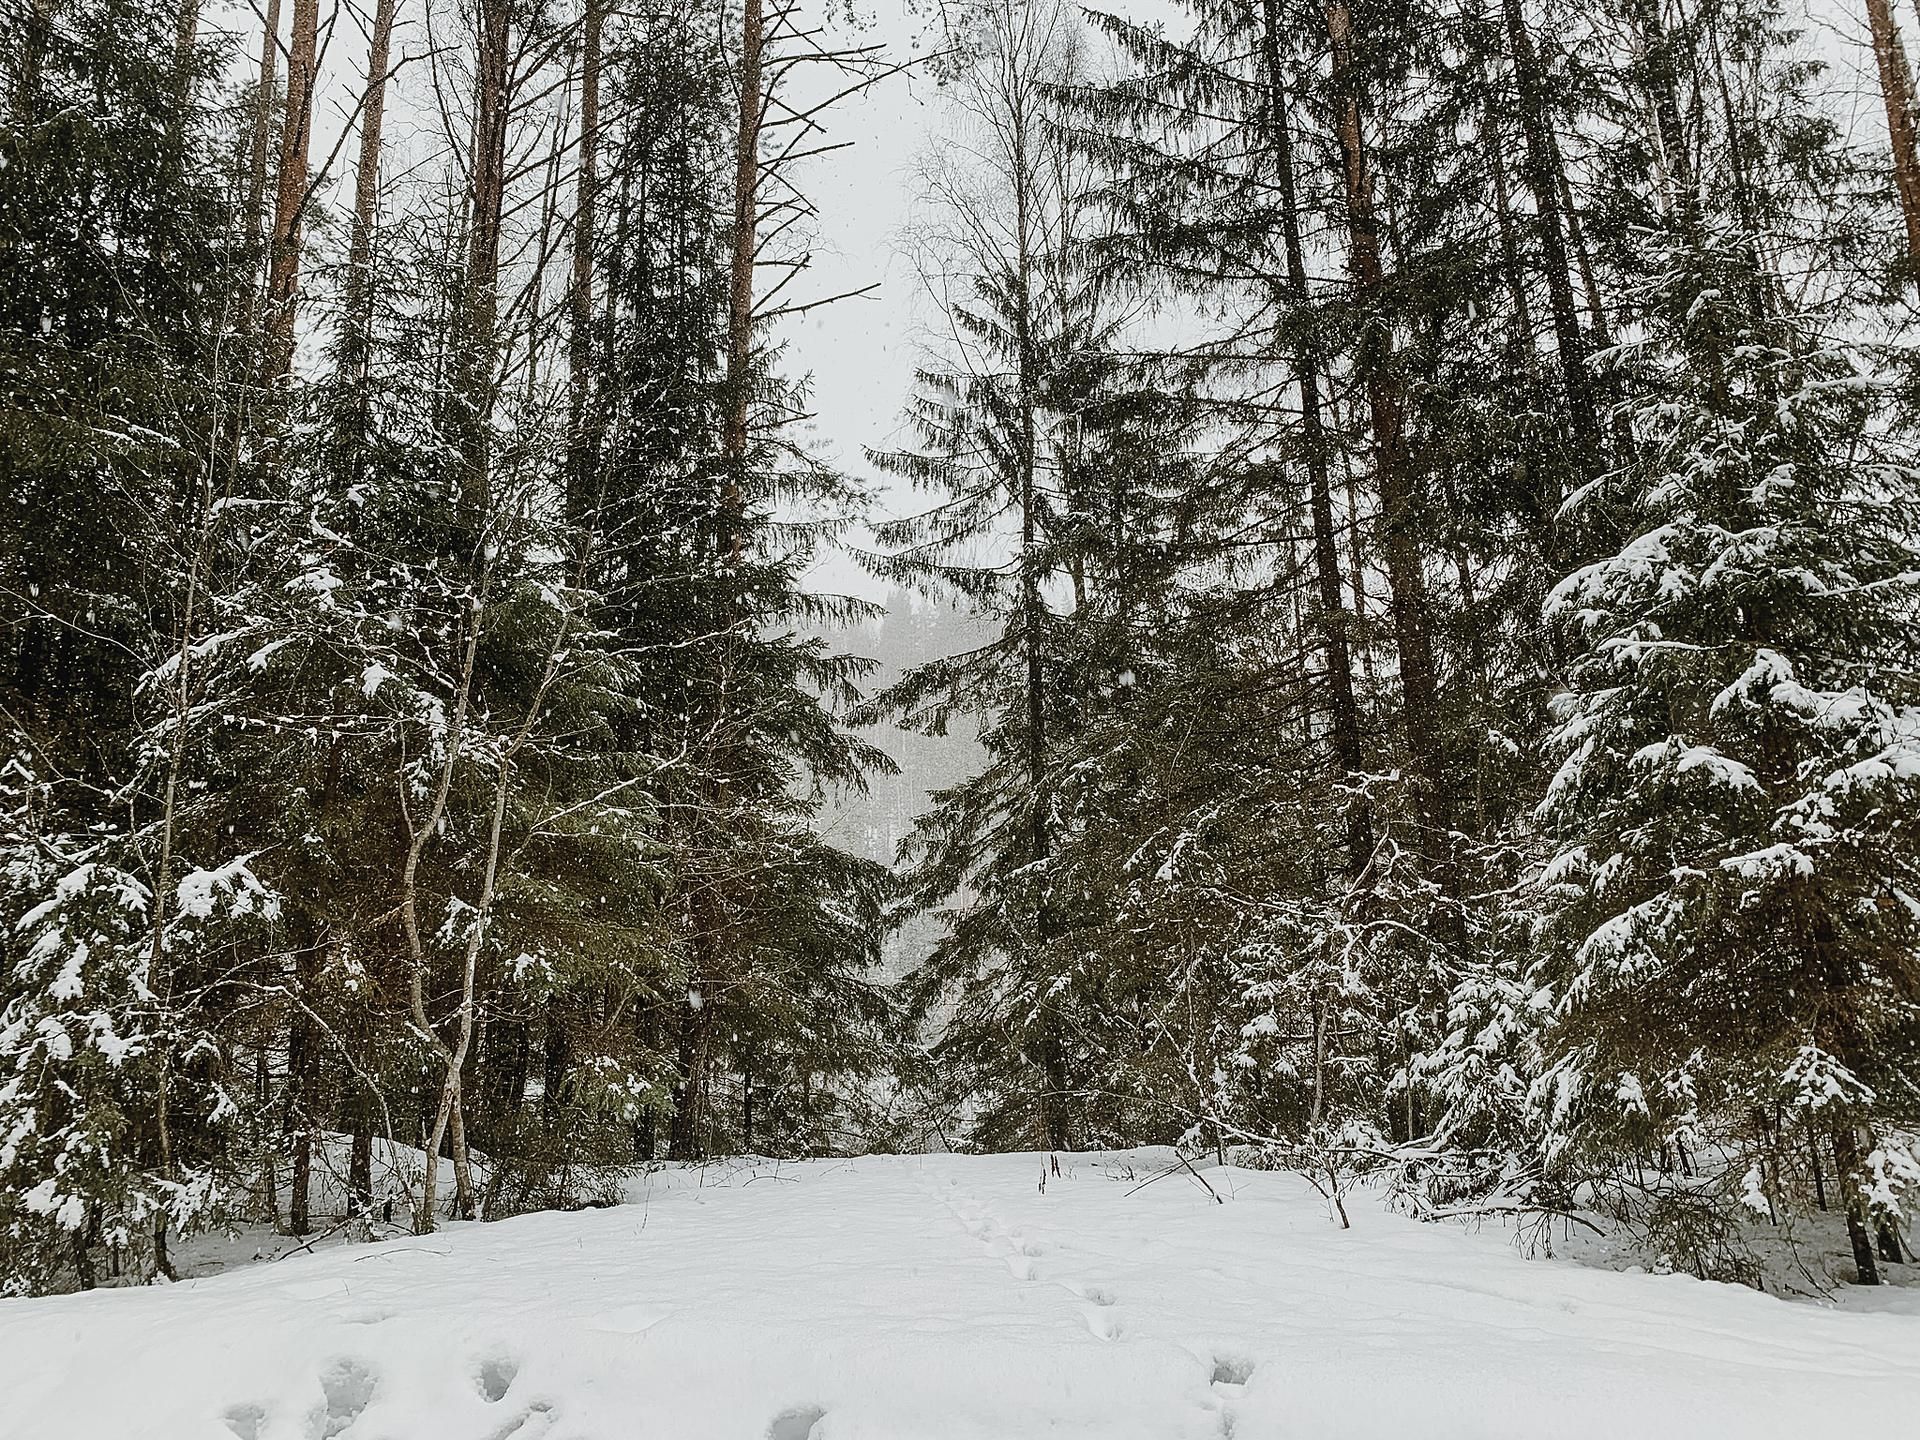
[[947, 1297]]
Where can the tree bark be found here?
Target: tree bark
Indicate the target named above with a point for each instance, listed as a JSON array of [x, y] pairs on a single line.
[[1846, 1169], [1896, 93], [283, 261], [366, 185], [1511, 269], [38, 32], [1663, 89]]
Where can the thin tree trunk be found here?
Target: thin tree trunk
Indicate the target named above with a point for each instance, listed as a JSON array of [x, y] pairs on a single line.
[[581, 447], [475, 360], [1819, 1180], [269, 1182], [409, 907], [1663, 87], [1333, 620], [33, 57], [300, 1192], [1540, 172], [1406, 575], [159, 978], [360, 1165], [746, 1106], [298, 1122], [1318, 1105], [686, 1138], [1033, 609], [1597, 320], [1510, 266], [449, 1119], [746, 223]]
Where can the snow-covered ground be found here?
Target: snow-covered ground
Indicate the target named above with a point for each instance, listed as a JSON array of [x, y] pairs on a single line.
[[907, 1298]]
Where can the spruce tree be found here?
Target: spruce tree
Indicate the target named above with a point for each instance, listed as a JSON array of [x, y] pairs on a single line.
[[1732, 928]]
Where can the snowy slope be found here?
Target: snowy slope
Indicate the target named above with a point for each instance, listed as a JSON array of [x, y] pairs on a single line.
[[905, 1298]]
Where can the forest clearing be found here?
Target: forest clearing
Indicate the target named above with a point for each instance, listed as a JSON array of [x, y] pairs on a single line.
[[797, 719]]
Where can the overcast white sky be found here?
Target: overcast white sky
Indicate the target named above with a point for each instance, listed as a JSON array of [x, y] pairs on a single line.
[[862, 352]]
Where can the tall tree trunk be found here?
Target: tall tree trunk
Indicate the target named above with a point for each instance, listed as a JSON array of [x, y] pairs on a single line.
[[1896, 93], [419, 832], [1597, 320], [262, 1097], [366, 189], [1332, 616], [476, 359], [746, 229], [283, 262], [746, 1105], [450, 1118], [1819, 1181], [1542, 177], [1406, 574], [265, 105], [1510, 267], [1049, 1051], [581, 446], [1053, 1096]]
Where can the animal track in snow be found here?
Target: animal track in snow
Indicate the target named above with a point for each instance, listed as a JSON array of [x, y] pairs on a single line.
[[1102, 1323], [348, 1388], [1092, 1294], [797, 1423], [496, 1376], [1232, 1369], [1230, 1375]]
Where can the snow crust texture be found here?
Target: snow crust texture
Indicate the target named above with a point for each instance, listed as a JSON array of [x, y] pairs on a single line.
[[948, 1298]]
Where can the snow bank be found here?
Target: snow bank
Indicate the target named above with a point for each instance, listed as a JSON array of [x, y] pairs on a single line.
[[948, 1298]]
